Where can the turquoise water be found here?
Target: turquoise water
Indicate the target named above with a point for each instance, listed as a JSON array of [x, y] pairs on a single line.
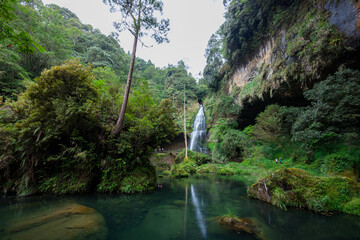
[[187, 209]]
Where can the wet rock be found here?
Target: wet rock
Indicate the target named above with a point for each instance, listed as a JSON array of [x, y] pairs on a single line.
[[241, 225], [65, 222]]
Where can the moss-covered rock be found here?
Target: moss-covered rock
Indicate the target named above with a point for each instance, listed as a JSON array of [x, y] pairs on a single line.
[[296, 188], [241, 225]]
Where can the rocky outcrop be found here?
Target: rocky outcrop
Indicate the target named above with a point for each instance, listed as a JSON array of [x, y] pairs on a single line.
[[246, 72], [66, 222]]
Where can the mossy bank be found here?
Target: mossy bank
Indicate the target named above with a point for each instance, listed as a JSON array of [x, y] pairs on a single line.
[[292, 187]]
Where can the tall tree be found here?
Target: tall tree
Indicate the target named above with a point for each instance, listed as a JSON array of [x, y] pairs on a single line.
[[185, 134], [138, 17]]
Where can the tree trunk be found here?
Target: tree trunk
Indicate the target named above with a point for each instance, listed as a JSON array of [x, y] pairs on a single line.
[[120, 120], [185, 135]]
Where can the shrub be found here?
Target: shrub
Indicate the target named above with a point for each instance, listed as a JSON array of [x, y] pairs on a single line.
[[339, 162]]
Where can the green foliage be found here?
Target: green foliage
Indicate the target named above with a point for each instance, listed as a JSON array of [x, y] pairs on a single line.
[[230, 145], [139, 17], [55, 137], [353, 206], [183, 169], [246, 27], [273, 126], [139, 180], [18, 36], [61, 143], [214, 62], [62, 36], [297, 188], [338, 163], [55, 132], [278, 195], [230, 214], [335, 108], [177, 79], [198, 158], [221, 107]]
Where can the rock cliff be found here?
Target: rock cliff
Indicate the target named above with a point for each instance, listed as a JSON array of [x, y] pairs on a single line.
[[324, 38]]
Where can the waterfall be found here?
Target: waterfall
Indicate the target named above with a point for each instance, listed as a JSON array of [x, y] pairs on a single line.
[[199, 216], [266, 190], [198, 136]]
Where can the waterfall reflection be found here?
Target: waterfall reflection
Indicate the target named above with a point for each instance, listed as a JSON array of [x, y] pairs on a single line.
[[185, 210], [199, 216]]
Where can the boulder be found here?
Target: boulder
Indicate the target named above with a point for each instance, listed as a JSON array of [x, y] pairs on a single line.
[[65, 222]]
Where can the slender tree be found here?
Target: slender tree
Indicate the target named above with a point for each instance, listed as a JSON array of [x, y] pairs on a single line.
[[138, 17], [185, 134]]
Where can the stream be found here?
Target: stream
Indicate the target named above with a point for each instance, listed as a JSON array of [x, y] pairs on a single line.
[[187, 209]]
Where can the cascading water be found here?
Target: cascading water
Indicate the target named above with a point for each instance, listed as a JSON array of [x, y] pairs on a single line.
[[198, 136]]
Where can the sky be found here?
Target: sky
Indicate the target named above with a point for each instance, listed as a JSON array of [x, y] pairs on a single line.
[[192, 22]]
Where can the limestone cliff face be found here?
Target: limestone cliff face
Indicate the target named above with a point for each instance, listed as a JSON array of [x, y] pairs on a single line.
[[250, 69], [299, 55]]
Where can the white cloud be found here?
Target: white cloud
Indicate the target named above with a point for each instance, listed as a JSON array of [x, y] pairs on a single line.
[[191, 22]]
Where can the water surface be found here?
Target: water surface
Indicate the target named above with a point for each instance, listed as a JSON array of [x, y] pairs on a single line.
[[187, 209]]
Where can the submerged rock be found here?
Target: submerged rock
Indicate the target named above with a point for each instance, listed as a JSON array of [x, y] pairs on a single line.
[[65, 222], [296, 188], [241, 225]]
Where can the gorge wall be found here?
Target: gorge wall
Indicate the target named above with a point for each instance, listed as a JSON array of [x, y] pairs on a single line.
[[324, 38]]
